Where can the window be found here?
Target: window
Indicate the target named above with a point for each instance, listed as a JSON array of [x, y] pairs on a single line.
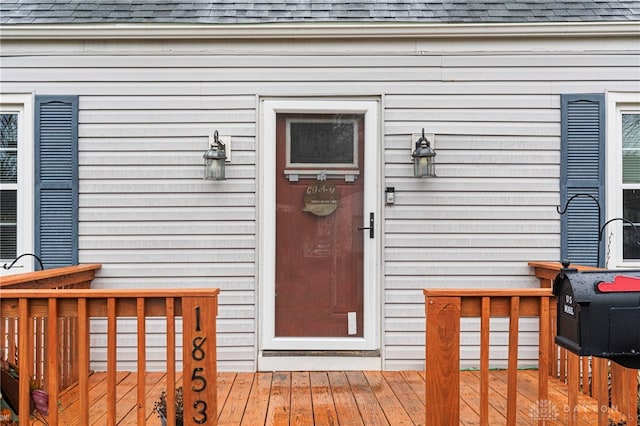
[[630, 184], [16, 181], [9, 182], [623, 179], [324, 142]]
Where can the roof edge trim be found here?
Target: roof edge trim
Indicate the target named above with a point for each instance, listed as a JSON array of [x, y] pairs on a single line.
[[314, 30]]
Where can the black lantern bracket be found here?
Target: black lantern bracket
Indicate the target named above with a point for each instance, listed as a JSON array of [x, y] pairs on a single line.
[[225, 140], [415, 137]]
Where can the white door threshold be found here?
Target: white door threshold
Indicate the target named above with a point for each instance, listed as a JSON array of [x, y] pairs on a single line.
[[318, 363]]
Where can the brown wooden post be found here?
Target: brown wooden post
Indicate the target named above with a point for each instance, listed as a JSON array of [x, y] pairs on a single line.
[[442, 361], [199, 359]]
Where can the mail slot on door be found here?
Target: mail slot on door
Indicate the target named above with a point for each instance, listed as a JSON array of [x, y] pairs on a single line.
[[599, 313]]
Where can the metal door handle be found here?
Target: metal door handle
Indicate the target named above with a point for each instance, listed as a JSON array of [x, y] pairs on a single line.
[[370, 227]]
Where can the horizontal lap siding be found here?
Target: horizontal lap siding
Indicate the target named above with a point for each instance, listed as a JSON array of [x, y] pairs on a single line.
[[147, 215], [492, 207]]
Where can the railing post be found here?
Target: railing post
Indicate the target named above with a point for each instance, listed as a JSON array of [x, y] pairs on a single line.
[[442, 361], [199, 359]]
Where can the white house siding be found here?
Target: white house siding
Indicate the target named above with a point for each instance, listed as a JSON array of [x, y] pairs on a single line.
[[147, 108]]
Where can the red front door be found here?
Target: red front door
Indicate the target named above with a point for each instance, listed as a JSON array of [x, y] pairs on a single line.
[[319, 207]]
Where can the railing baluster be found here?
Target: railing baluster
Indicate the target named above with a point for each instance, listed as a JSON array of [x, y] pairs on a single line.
[[142, 360], [83, 360], [13, 342], [632, 393], [543, 352], [171, 361], [25, 355], [3, 337], [112, 360], [512, 364], [39, 347], [52, 359], [484, 360], [39, 318], [600, 378]]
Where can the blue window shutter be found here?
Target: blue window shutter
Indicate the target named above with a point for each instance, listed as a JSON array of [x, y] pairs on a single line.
[[582, 172], [56, 180]]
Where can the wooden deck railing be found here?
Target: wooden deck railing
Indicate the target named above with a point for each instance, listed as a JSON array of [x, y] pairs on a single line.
[[566, 366], [445, 307], [197, 307], [79, 276]]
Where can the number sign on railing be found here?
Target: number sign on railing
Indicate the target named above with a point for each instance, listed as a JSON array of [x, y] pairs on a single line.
[[199, 360]]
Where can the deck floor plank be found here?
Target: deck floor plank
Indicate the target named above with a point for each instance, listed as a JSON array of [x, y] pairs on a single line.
[[344, 399], [225, 382], [406, 396], [301, 400], [331, 398], [236, 403], [470, 396], [258, 401], [324, 409], [98, 409], [279, 409], [370, 410], [391, 405]]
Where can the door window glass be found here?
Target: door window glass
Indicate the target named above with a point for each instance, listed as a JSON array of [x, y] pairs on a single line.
[[326, 142]]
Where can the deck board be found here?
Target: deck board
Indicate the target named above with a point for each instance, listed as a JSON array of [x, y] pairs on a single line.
[[328, 398]]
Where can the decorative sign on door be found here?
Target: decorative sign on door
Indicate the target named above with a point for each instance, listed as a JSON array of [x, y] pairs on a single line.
[[321, 198]]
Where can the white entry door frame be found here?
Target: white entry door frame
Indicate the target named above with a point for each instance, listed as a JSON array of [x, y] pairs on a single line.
[[269, 108]]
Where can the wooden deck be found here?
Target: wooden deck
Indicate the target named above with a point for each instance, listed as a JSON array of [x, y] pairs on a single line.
[[332, 398]]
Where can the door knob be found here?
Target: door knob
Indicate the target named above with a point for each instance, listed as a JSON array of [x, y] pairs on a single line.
[[370, 227]]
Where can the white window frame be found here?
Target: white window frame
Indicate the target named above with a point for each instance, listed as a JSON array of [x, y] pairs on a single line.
[[617, 104], [23, 104], [269, 108]]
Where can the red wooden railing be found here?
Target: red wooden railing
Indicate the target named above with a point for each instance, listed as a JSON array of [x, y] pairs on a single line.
[[72, 277], [566, 366], [26, 308], [445, 307]]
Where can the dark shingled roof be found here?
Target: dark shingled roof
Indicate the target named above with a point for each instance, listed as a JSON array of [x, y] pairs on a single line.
[[260, 11]]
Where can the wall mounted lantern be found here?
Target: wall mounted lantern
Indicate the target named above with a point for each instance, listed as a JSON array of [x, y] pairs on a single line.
[[424, 158], [214, 159]]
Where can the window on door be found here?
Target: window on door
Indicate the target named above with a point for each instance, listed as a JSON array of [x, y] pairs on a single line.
[[16, 181]]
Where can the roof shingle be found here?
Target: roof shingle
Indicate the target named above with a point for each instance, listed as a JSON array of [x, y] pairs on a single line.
[[259, 11]]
